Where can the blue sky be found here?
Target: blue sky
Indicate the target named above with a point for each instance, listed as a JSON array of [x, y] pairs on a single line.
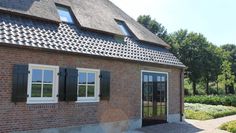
[[215, 19]]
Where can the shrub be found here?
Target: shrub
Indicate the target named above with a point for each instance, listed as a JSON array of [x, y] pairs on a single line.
[[197, 115], [229, 126], [229, 100], [205, 112]]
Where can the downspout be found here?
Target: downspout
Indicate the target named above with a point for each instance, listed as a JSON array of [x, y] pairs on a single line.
[[181, 95]]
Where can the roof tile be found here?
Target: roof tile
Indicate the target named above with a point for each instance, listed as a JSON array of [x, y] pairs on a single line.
[[64, 37]]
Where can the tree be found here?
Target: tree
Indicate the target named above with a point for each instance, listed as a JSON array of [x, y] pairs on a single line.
[[197, 54], [176, 40], [155, 27], [212, 63], [204, 60], [226, 76], [191, 53], [231, 48]]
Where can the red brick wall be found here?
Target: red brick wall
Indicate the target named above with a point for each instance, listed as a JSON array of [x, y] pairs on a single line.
[[124, 99]]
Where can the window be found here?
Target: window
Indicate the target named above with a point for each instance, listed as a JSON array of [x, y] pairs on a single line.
[[65, 14], [42, 84], [88, 85], [123, 28]]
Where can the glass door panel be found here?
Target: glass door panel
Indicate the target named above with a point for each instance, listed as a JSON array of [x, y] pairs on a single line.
[[154, 89]]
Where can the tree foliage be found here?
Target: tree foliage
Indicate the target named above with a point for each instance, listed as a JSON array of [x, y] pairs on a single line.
[[205, 62], [226, 76], [231, 48], [155, 27], [176, 40], [191, 52]]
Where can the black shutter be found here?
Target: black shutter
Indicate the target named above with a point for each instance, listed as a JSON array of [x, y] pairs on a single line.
[[71, 84], [62, 84], [20, 81], [105, 85]]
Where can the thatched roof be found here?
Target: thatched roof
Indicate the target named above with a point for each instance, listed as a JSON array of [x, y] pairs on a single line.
[[97, 15]]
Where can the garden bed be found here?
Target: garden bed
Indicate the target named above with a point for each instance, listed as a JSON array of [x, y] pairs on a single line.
[[229, 126], [205, 112]]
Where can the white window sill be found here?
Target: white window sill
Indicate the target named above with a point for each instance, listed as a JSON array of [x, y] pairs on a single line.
[[87, 100], [41, 101]]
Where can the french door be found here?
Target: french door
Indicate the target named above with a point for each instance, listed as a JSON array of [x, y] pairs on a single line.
[[154, 98]]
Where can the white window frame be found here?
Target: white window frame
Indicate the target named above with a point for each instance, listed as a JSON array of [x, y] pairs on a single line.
[[96, 97], [123, 27], [40, 100], [66, 9]]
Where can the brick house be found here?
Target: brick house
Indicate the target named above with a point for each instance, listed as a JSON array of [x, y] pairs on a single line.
[[83, 66]]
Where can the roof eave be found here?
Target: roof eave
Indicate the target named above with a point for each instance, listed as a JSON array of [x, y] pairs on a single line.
[[2, 10]]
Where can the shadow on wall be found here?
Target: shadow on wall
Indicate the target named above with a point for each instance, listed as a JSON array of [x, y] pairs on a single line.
[[17, 4]]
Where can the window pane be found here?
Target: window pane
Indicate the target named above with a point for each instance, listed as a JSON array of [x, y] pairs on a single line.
[[145, 78], [48, 76], [82, 91], [162, 78], [82, 78], [37, 75], [123, 29], [64, 14], [36, 90], [91, 91], [158, 78], [91, 78], [47, 90], [150, 79]]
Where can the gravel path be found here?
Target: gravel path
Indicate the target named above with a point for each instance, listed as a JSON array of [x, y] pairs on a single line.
[[189, 126]]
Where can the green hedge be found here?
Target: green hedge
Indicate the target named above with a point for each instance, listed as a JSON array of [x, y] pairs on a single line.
[[229, 100]]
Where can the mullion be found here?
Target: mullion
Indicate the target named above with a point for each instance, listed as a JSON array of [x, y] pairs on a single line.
[[42, 83], [152, 89], [161, 97], [78, 85], [87, 84], [86, 90], [148, 95], [165, 95], [48, 83], [154, 95], [36, 83]]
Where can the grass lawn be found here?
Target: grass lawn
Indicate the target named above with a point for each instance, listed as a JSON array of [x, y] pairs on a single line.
[[206, 112], [229, 126]]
